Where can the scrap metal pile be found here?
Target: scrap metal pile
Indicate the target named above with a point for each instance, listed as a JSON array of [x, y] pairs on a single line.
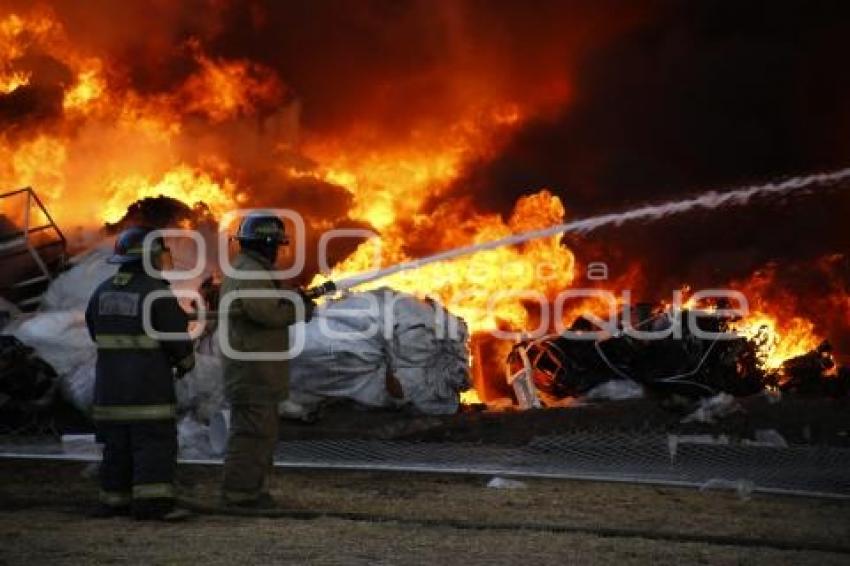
[[28, 388], [549, 369]]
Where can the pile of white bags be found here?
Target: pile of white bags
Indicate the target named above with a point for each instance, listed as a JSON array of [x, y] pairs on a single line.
[[58, 332], [352, 343]]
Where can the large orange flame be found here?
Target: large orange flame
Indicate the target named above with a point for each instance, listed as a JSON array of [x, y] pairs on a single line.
[[113, 145], [773, 323]]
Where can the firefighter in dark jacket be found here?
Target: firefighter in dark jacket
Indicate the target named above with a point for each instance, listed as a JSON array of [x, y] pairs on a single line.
[[134, 399], [254, 388]]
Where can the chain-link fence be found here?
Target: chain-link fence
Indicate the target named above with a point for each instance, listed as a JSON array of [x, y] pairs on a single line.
[[686, 460]]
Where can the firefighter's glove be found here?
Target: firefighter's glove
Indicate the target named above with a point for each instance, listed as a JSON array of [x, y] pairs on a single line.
[[309, 305]]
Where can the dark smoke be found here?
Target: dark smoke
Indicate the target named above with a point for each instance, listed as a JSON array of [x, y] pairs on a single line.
[[705, 95], [392, 65]]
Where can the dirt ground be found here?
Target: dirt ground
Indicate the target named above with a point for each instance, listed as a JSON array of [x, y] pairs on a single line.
[[357, 517]]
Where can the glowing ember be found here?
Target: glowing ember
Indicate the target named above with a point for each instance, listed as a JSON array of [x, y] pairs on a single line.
[[469, 397]]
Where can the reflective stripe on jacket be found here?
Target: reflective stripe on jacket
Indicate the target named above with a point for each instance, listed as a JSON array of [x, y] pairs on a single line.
[[133, 377]]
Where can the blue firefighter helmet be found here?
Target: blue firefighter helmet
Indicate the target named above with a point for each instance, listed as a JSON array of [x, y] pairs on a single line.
[[262, 228], [129, 245]]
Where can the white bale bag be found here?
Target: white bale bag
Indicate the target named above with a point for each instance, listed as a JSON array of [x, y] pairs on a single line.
[[351, 344]]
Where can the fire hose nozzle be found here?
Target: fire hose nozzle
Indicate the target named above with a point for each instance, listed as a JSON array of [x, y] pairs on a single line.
[[325, 288]]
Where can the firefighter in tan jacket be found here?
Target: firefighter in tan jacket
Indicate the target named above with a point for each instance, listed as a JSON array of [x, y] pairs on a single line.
[[255, 387]]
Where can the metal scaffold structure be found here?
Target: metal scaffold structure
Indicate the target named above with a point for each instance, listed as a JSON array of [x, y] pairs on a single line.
[[33, 249]]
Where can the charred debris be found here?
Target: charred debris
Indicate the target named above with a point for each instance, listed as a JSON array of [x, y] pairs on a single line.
[[688, 366]]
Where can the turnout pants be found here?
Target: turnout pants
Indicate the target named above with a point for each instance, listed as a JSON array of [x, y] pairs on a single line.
[[137, 470], [250, 451]]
